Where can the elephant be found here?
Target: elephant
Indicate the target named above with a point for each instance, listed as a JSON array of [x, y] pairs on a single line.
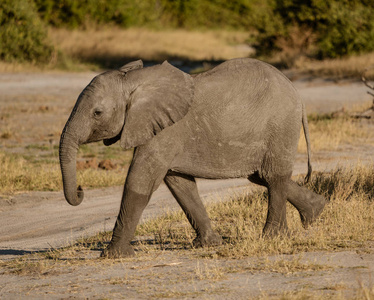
[[241, 119]]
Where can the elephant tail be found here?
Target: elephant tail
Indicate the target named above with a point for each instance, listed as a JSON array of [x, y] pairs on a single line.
[[307, 139]]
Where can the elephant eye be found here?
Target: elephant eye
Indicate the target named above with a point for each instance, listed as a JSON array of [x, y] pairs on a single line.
[[98, 113]]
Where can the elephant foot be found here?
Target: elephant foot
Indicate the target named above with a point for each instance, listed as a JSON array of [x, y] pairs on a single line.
[[309, 216], [275, 229], [212, 239], [117, 251]]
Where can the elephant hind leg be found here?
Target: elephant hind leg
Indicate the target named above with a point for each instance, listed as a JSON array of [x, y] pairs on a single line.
[[308, 203], [276, 220], [184, 189]]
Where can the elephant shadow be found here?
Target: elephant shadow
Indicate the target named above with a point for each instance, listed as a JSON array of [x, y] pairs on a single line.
[[16, 252]]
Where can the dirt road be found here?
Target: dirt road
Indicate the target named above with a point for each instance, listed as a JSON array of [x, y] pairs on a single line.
[[40, 220]]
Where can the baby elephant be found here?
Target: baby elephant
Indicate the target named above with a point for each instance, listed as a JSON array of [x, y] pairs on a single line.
[[240, 119]]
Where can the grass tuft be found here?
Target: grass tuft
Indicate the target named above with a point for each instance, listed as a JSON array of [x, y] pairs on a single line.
[[344, 184], [285, 265], [19, 174], [209, 272], [22, 173], [328, 132]]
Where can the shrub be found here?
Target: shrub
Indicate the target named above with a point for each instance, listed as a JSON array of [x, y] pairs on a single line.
[[23, 36], [150, 13], [208, 14], [347, 31], [74, 14], [323, 29]]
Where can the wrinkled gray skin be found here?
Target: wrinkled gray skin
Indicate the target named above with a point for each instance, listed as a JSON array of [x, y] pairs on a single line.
[[240, 119]]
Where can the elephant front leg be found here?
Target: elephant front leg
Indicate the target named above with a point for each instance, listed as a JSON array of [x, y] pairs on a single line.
[[184, 189], [144, 176], [132, 207]]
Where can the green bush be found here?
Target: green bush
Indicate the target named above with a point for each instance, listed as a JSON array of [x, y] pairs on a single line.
[[208, 14], [150, 13], [348, 30], [23, 36], [74, 14], [316, 27]]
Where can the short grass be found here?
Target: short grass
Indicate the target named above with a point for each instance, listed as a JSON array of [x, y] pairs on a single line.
[[329, 131], [118, 44], [41, 172], [347, 67]]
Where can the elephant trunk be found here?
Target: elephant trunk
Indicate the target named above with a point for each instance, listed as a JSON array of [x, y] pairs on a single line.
[[68, 152]]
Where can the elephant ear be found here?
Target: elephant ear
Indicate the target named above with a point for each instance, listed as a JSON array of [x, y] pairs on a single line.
[[162, 97], [134, 65]]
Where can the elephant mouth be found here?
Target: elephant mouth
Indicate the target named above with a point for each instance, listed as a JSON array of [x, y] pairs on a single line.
[[111, 141]]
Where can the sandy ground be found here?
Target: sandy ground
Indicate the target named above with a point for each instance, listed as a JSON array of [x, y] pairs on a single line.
[[37, 221]]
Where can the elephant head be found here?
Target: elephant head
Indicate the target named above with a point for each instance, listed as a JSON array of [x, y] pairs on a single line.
[[131, 104]]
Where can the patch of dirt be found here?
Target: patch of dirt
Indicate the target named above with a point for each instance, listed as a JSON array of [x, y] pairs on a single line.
[[33, 110], [181, 275]]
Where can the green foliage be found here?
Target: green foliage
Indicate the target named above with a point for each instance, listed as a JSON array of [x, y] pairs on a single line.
[[74, 14], [151, 13], [347, 31], [316, 27], [208, 14], [23, 36]]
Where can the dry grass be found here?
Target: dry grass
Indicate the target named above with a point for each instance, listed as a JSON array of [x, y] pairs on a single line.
[[285, 265], [112, 46], [338, 68], [359, 294], [20, 174], [348, 67], [79, 50], [205, 271], [14, 67], [328, 132], [120, 45]]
